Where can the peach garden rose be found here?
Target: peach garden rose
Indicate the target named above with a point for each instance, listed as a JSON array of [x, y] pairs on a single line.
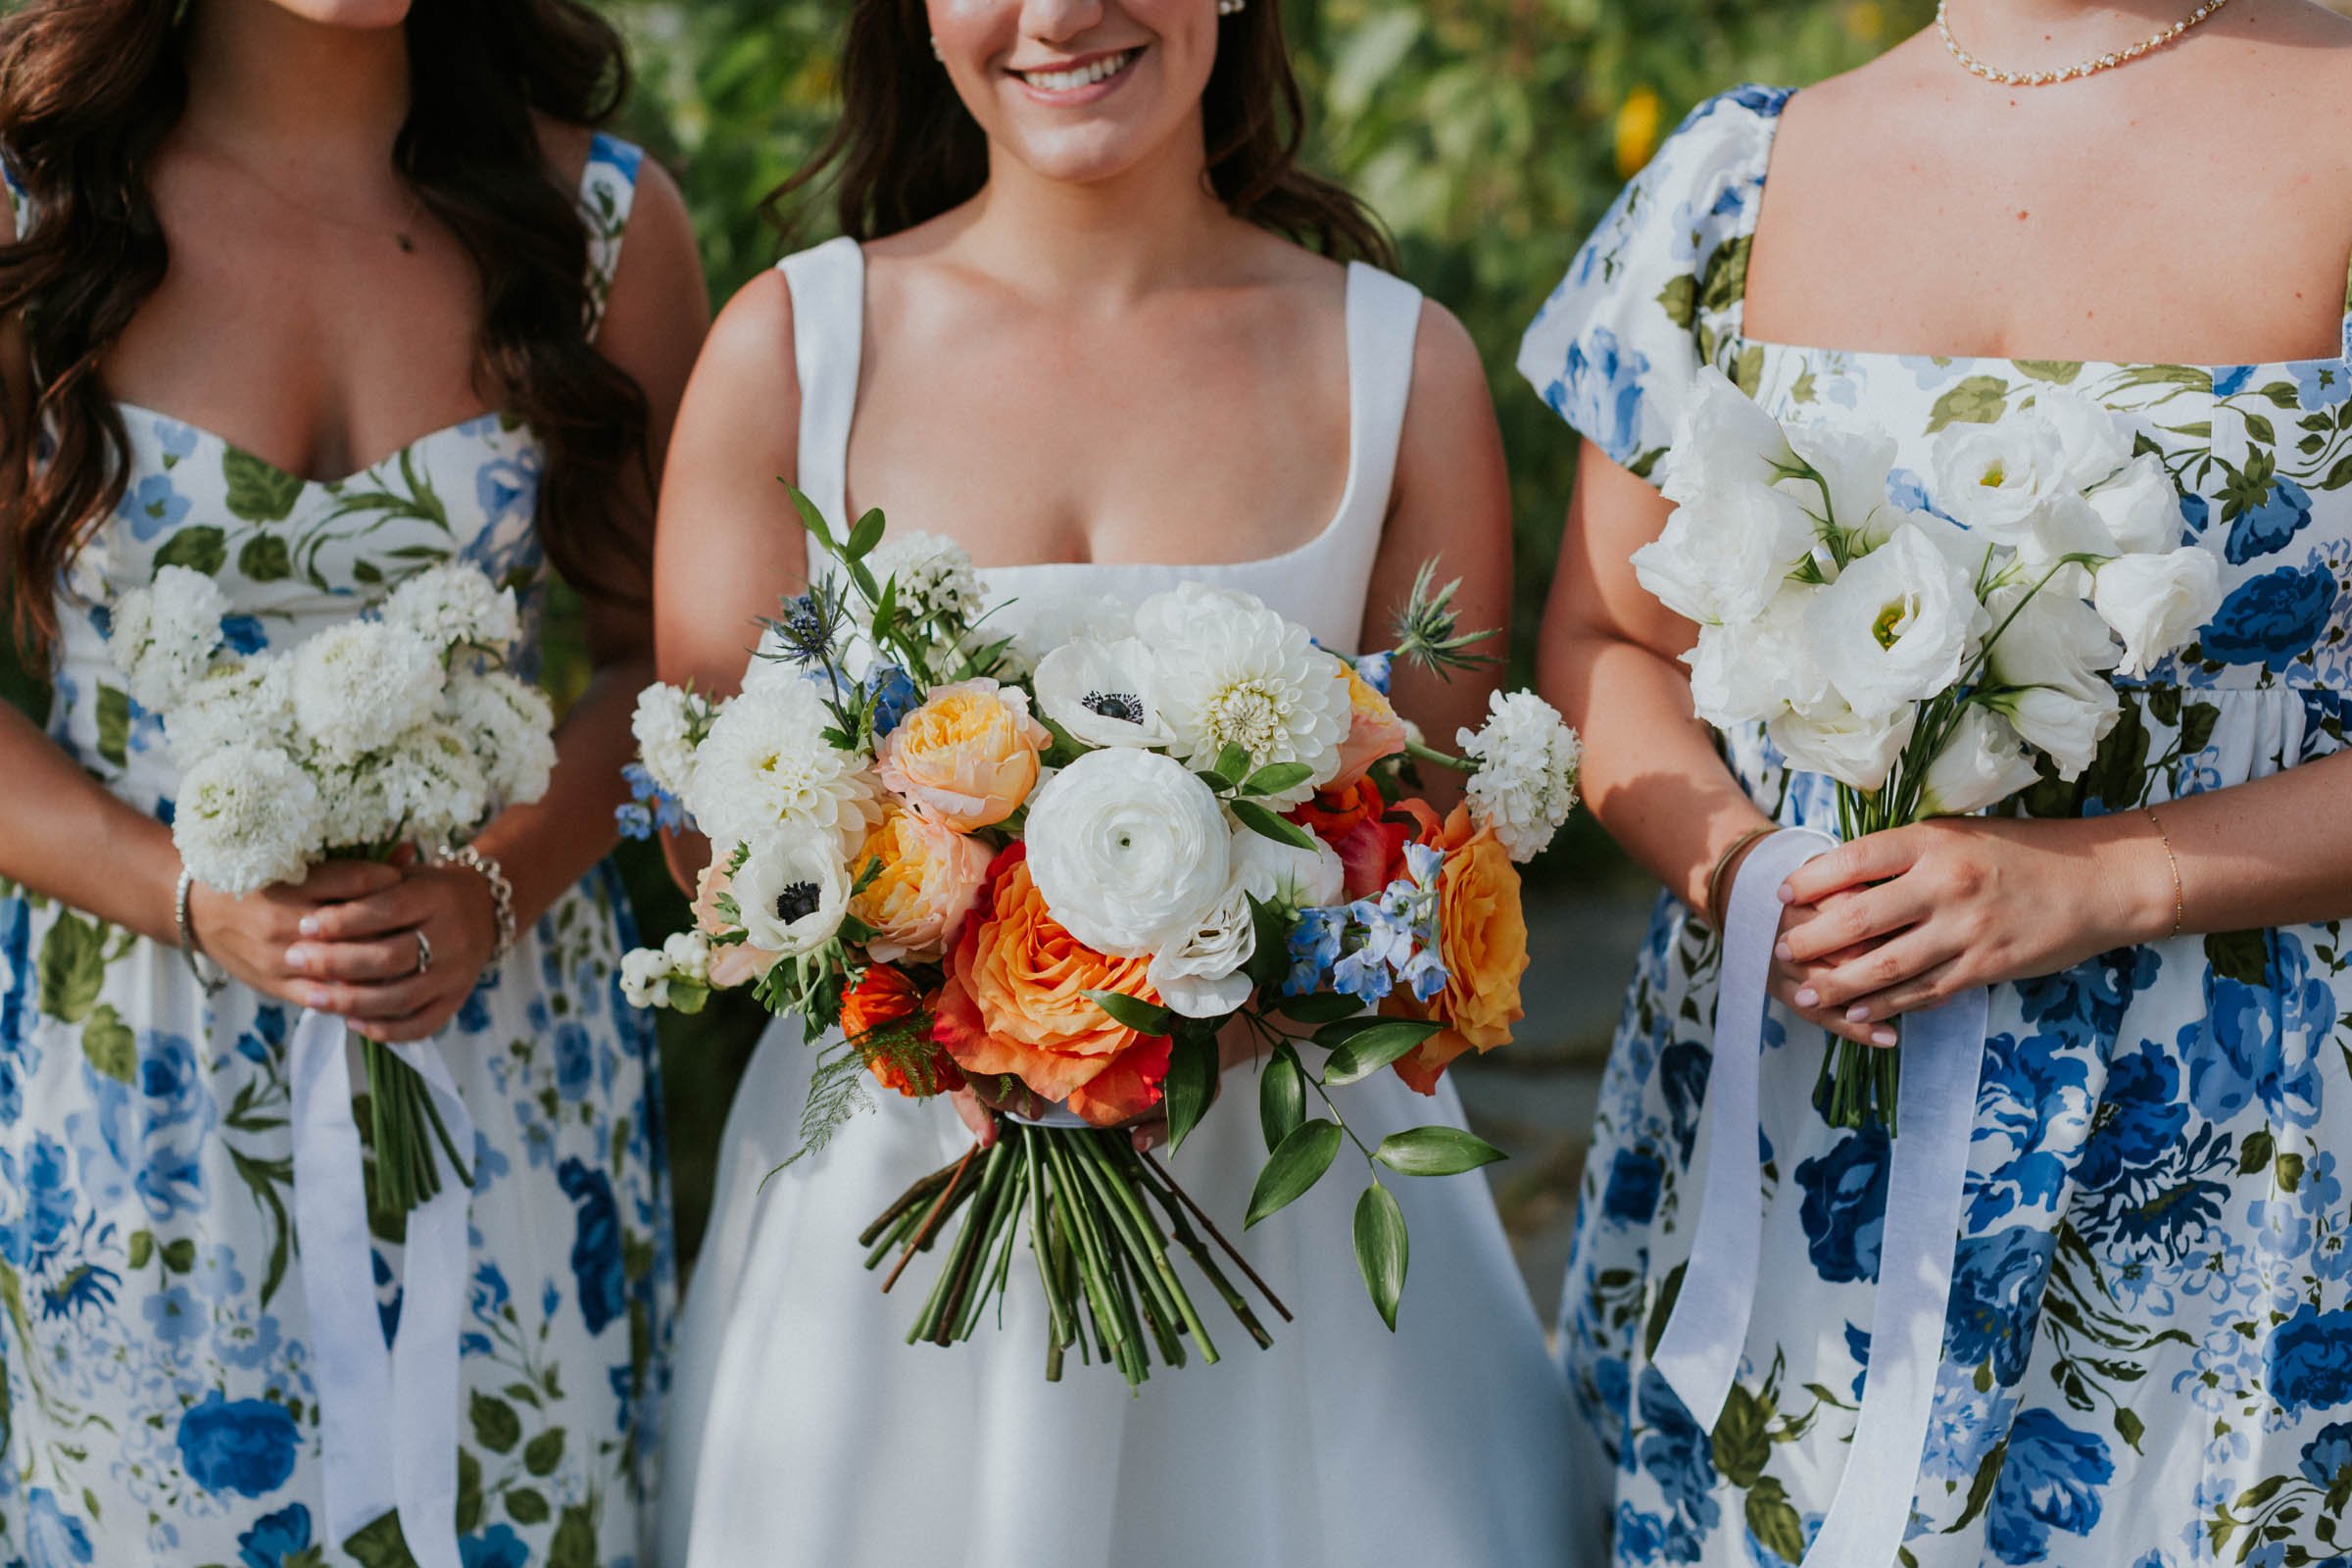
[[968, 755]]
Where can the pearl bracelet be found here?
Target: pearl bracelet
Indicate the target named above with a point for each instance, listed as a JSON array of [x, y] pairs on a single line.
[[209, 974], [502, 893]]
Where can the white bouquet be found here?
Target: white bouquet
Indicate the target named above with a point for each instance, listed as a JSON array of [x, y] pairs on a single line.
[[1927, 663], [399, 728]]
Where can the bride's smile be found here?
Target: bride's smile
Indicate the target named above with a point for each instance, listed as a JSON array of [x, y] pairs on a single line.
[[1085, 79]]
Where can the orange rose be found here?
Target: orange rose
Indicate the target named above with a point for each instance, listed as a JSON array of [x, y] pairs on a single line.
[[1483, 938], [970, 755], [1374, 732], [734, 964], [882, 996], [929, 876], [1016, 1001]]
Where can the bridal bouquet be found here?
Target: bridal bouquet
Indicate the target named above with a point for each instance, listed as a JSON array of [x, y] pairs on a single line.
[[1931, 663], [395, 729], [1058, 868]]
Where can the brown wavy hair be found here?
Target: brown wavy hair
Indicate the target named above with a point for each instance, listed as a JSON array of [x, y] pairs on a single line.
[[89, 89], [907, 150]]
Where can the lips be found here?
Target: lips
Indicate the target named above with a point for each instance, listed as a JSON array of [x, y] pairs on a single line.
[[1081, 75]]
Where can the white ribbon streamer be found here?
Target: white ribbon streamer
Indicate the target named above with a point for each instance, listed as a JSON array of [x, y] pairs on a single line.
[[388, 1418], [1699, 1352]]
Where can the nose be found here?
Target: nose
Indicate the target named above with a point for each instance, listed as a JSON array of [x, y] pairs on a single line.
[[1060, 22]]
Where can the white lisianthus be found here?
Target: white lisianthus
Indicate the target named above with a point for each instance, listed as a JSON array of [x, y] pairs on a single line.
[[244, 701], [247, 818], [509, 725], [164, 635], [1274, 872], [1101, 693], [1853, 460], [1127, 848], [2092, 440], [454, 605], [664, 725], [933, 575], [1759, 669], [1720, 558], [1199, 971], [1849, 747], [2065, 723], [1896, 625], [2157, 603], [360, 685], [1231, 672], [766, 765], [1527, 759], [791, 891], [688, 952], [2141, 509], [2044, 672], [1723, 438], [2000, 479], [1981, 762], [645, 976]]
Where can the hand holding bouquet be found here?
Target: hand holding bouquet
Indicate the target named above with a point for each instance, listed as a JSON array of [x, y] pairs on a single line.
[[1063, 877]]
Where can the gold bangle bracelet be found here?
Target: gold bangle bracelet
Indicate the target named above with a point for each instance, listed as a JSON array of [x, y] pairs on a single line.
[[1713, 910], [2179, 903]]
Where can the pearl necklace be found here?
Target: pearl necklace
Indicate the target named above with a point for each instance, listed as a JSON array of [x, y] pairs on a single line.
[[2086, 67]]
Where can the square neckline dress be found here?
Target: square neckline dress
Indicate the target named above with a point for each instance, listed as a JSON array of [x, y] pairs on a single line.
[[2147, 1358]]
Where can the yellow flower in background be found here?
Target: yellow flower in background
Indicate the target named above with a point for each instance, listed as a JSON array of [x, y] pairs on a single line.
[[1637, 122]]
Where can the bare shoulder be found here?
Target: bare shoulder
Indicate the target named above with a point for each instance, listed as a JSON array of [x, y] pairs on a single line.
[[662, 254], [1447, 367], [749, 351]]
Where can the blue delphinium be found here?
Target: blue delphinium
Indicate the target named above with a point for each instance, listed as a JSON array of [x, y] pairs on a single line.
[[894, 696], [650, 809], [1369, 947]]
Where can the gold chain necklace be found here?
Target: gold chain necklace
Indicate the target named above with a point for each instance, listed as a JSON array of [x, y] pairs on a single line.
[[2085, 68], [403, 236]]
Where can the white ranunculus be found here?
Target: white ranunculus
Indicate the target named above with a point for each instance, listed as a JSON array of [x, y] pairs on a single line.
[[1272, 873], [1723, 438], [1999, 479], [1755, 672], [360, 685], [1982, 762], [663, 726], [1527, 759], [164, 635], [1848, 747], [2092, 438], [1228, 671], [1102, 693], [1853, 459], [2141, 509], [1199, 971], [2157, 603], [247, 818], [2066, 722], [1127, 848], [1720, 558], [766, 765], [791, 891], [510, 724], [1896, 627], [455, 605]]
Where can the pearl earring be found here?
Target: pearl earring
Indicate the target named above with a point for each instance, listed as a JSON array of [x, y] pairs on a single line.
[[941, 56], [1231, 8]]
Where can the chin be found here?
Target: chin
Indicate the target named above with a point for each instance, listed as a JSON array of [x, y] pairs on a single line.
[[1080, 155], [357, 15]]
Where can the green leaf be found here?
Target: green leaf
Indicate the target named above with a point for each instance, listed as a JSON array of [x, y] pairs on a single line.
[[114, 725], [1296, 1165], [865, 535], [202, 548], [1276, 778], [1980, 1489], [73, 967], [258, 491], [544, 1452], [111, 1046], [1270, 945], [2129, 1425], [179, 1254], [527, 1505], [1143, 1017], [1233, 761], [1742, 1443], [142, 1249], [264, 558], [2059, 372], [1281, 1099], [1434, 1151], [1258, 819], [1381, 1250], [1678, 299], [378, 1543], [495, 1426], [1371, 1049], [470, 1493], [1192, 1082], [810, 518], [574, 1541], [2289, 1172], [1978, 399], [2240, 956], [1774, 1521], [1319, 1006], [2255, 1152]]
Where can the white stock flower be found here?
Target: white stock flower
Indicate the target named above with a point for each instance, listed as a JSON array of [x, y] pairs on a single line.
[[2000, 481], [1851, 748], [645, 976], [1982, 762], [247, 818], [360, 685], [933, 575], [1723, 439], [453, 605], [1231, 672], [2157, 603], [766, 765], [1720, 558], [1759, 669], [791, 891], [508, 724], [1527, 759], [2093, 441], [2141, 509], [663, 726], [240, 701], [1127, 848], [1896, 625], [164, 635], [1102, 693]]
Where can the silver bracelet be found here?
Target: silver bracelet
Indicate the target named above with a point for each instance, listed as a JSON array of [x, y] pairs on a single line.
[[502, 893], [209, 974]]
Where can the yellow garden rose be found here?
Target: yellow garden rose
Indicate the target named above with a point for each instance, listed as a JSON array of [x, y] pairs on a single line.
[[1483, 938], [968, 755], [929, 875]]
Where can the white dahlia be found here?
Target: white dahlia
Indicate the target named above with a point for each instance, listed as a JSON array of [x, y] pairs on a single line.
[[1527, 759], [247, 818], [766, 765], [1231, 672]]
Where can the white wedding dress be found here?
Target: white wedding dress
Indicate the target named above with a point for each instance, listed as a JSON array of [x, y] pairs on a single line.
[[806, 1431]]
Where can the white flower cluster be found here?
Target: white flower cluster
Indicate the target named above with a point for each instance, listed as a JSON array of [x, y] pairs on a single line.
[[650, 977], [1838, 618], [669, 723], [395, 728], [1525, 785], [935, 575]]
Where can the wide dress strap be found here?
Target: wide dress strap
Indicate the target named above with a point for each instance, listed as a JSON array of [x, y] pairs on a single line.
[[829, 340], [1383, 322]]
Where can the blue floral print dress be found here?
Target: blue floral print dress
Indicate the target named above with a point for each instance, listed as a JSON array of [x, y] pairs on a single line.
[[2147, 1358], [160, 1396]]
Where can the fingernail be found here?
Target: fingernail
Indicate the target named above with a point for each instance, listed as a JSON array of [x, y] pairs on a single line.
[[310, 925], [1788, 894], [1882, 1037], [1783, 951], [297, 959], [1859, 1013], [1807, 997]]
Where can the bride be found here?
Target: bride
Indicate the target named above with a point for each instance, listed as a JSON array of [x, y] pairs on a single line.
[[1091, 320]]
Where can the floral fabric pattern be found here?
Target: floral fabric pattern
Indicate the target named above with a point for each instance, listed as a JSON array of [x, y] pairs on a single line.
[[2147, 1360], [160, 1402]]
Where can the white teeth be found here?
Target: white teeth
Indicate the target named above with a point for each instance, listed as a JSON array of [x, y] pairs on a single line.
[[1084, 77]]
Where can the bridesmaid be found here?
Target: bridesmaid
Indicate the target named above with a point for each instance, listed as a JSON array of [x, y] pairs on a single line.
[[258, 245], [2143, 1360]]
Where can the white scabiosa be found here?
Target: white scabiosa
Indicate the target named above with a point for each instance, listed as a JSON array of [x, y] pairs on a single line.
[[247, 818], [766, 765], [1230, 673], [363, 806], [1527, 759], [791, 891], [437, 784], [510, 726], [359, 686], [454, 605], [164, 635], [1129, 850]]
